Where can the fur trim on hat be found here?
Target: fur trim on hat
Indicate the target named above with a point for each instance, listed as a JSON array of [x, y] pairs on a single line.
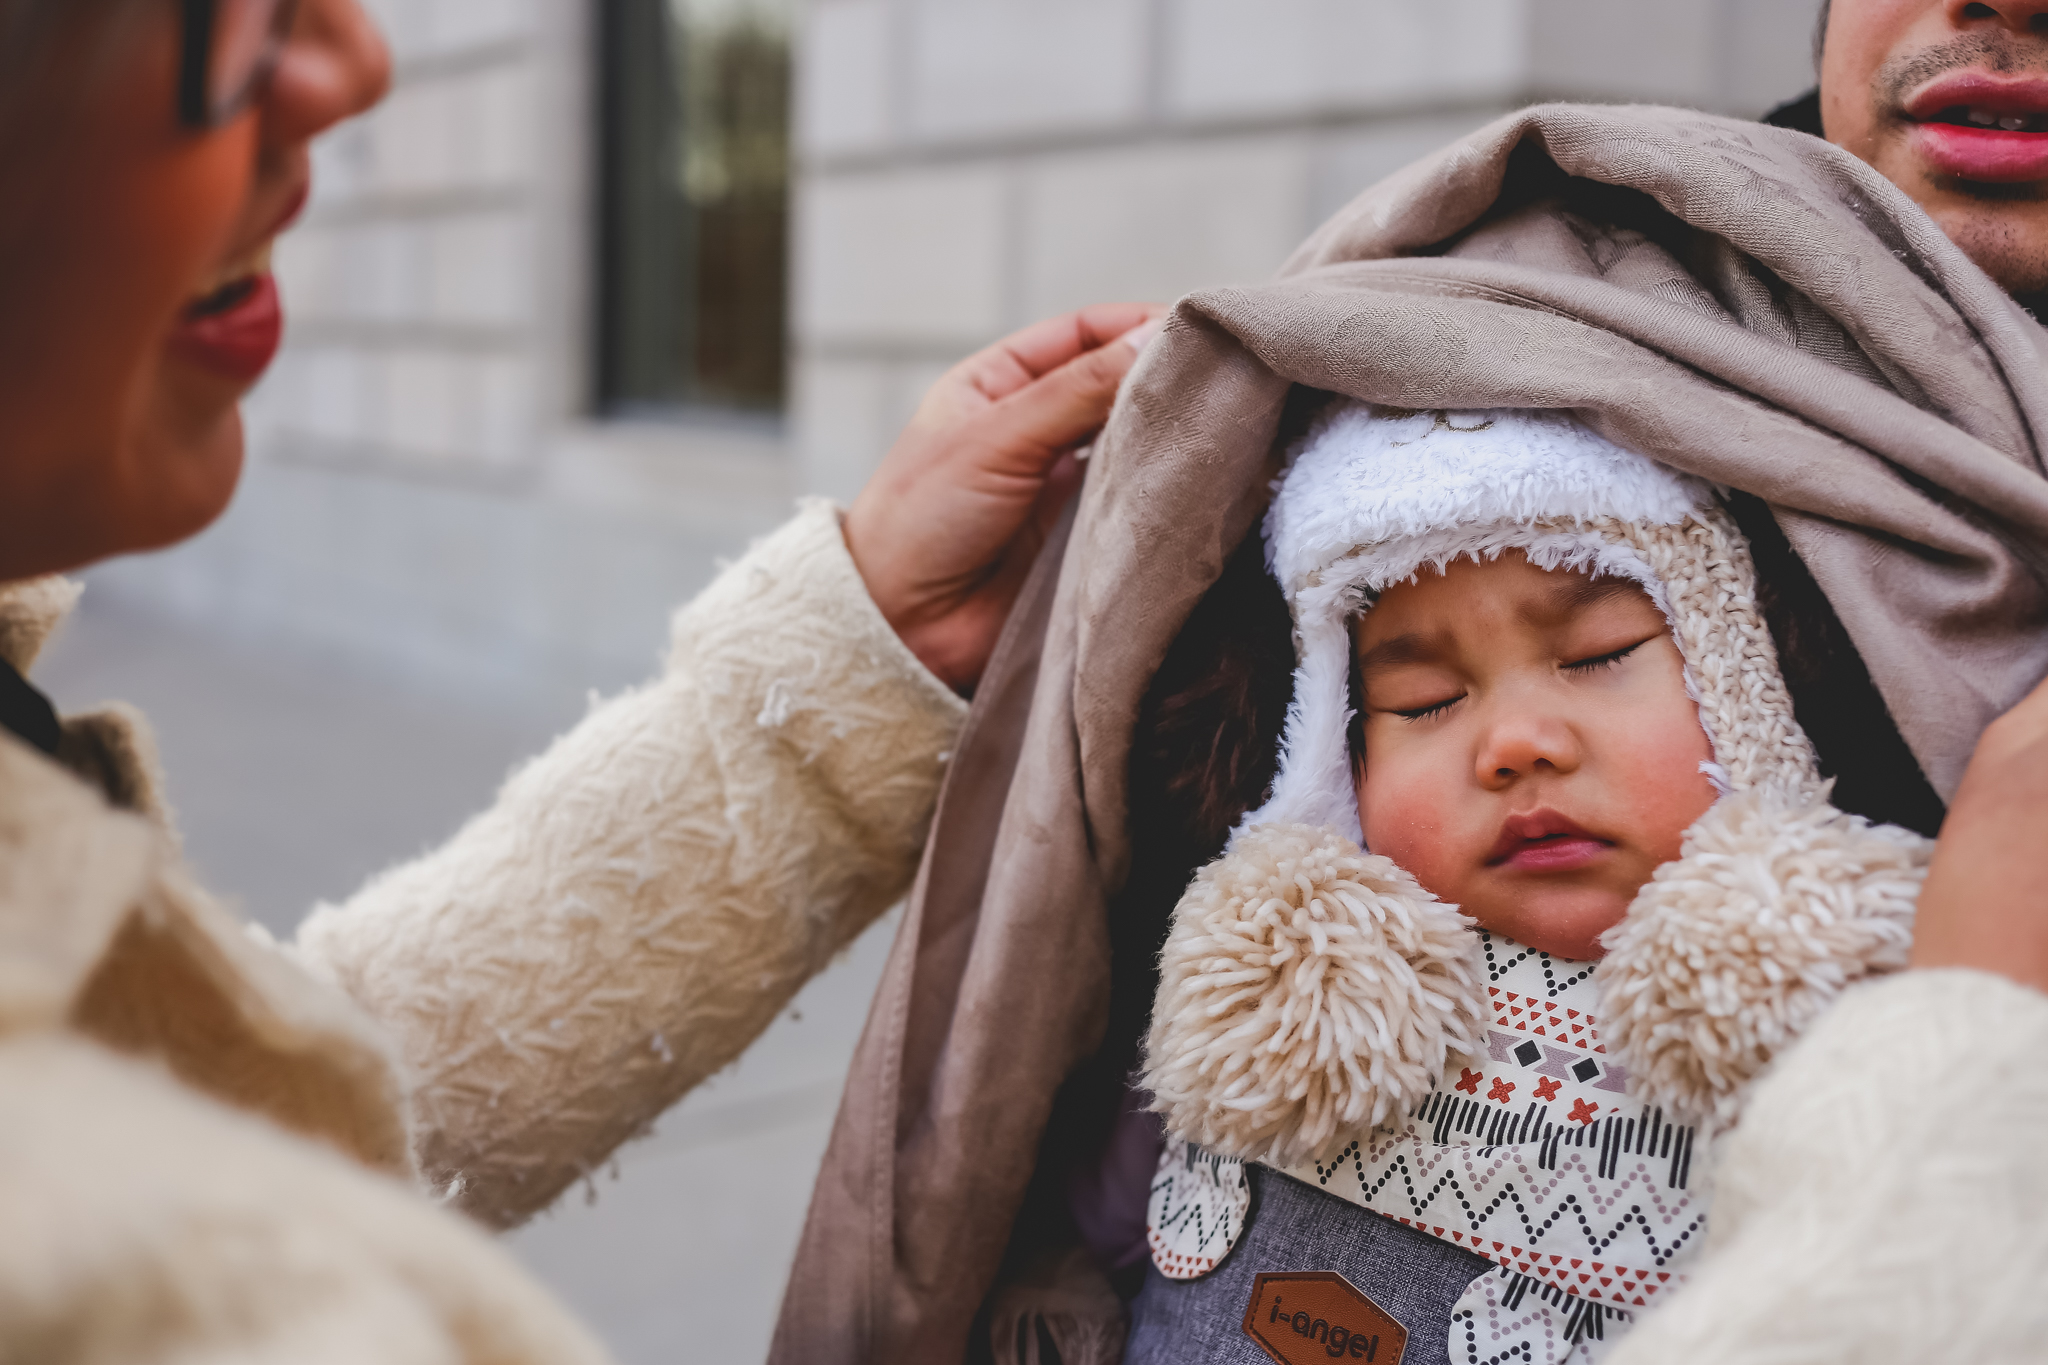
[[1308, 990], [1414, 485], [1777, 903]]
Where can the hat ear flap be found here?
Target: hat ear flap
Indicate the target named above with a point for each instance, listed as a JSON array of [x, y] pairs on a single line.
[[1727, 955], [1307, 990]]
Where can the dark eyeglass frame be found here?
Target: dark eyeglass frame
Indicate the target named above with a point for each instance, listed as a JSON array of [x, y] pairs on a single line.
[[198, 107]]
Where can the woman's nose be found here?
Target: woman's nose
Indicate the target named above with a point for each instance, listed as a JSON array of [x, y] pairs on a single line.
[[335, 66], [1519, 742]]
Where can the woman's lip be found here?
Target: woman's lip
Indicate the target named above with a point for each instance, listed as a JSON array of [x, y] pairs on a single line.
[[237, 343], [1990, 156], [1559, 853]]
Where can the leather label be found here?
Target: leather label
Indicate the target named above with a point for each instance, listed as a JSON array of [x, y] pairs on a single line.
[[1318, 1315]]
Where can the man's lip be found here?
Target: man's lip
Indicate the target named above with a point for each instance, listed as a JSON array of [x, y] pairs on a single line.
[[237, 343], [1544, 840], [1994, 156], [1979, 90], [1987, 156]]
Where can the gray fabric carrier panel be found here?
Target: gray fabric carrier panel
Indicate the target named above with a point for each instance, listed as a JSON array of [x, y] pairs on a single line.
[[1293, 1227]]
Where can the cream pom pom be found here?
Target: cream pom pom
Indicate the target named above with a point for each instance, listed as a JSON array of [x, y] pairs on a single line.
[[1777, 902], [1307, 990]]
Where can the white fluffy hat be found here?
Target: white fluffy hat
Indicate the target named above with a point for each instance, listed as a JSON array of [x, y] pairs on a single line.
[[1375, 495], [1309, 988]]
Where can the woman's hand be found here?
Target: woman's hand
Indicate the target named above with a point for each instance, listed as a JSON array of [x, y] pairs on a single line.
[[945, 532], [1985, 904]]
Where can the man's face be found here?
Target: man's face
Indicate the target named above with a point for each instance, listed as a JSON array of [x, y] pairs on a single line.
[[1950, 102]]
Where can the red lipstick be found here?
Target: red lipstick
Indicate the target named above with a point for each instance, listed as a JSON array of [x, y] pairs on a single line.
[[1983, 128], [234, 333], [1542, 840]]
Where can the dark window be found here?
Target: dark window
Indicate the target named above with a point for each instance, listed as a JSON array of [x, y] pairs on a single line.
[[695, 160]]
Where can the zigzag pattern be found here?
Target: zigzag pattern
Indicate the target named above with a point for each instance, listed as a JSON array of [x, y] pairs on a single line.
[[1197, 1207], [1522, 1319], [1479, 1215], [1611, 1222]]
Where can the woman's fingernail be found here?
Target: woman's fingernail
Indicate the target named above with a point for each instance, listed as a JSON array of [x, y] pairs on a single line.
[[1138, 336]]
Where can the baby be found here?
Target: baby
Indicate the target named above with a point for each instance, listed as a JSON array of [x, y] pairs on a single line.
[[1525, 747], [1546, 875]]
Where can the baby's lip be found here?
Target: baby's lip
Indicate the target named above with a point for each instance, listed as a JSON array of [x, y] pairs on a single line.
[[1528, 832]]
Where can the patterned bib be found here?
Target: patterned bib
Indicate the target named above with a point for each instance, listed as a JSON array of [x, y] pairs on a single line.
[[1530, 1156]]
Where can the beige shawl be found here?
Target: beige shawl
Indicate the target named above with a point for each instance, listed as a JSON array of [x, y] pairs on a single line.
[[1749, 304]]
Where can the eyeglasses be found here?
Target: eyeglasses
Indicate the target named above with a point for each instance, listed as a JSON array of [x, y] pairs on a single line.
[[231, 48]]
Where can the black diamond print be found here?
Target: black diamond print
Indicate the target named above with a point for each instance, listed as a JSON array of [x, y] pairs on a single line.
[[1586, 1070], [1528, 1054]]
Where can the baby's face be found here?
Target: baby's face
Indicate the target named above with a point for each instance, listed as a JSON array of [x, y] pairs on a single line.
[[1530, 751]]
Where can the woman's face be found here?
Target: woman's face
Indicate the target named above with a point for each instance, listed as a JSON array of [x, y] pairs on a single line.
[[122, 234]]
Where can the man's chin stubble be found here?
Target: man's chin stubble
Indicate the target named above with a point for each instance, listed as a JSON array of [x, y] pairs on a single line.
[[2011, 250]]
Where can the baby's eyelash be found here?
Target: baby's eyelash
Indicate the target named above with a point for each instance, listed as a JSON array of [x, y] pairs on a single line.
[[1602, 661], [1433, 709]]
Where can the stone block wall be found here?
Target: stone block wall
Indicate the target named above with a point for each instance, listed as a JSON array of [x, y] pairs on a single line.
[[416, 284], [969, 165], [428, 486]]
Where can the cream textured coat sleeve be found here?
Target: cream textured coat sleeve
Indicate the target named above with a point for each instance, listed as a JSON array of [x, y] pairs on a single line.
[[644, 897], [1885, 1198]]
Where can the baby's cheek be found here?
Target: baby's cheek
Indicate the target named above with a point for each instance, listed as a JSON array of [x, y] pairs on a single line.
[[1407, 821], [1675, 793]]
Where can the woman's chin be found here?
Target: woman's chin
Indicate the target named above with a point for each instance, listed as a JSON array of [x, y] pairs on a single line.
[[180, 474]]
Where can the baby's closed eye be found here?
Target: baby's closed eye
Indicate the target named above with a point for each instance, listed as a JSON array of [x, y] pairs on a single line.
[[1435, 708], [1596, 662]]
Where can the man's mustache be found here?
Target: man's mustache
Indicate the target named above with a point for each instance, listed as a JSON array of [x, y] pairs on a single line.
[[1999, 52]]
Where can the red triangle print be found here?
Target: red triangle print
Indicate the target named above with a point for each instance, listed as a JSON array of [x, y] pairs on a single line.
[[1571, 1014], [1513, 996], [1540, 1033]]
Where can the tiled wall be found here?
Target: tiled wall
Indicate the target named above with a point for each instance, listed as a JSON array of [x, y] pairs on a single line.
[[970, 165], [427, 486], [415, 282]]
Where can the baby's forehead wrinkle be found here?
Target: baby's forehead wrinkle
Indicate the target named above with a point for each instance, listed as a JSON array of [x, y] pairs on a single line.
[[1563, 594], [1408, 648], [1578, 591]]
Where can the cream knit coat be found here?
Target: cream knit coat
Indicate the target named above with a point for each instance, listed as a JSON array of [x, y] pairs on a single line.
[[645, 896], [208, 1158]]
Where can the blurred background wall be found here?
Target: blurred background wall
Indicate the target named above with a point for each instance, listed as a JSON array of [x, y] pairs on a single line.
[[602, 288]]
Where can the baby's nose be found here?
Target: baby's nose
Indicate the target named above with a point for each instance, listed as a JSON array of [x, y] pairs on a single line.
[[1522, 743]]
